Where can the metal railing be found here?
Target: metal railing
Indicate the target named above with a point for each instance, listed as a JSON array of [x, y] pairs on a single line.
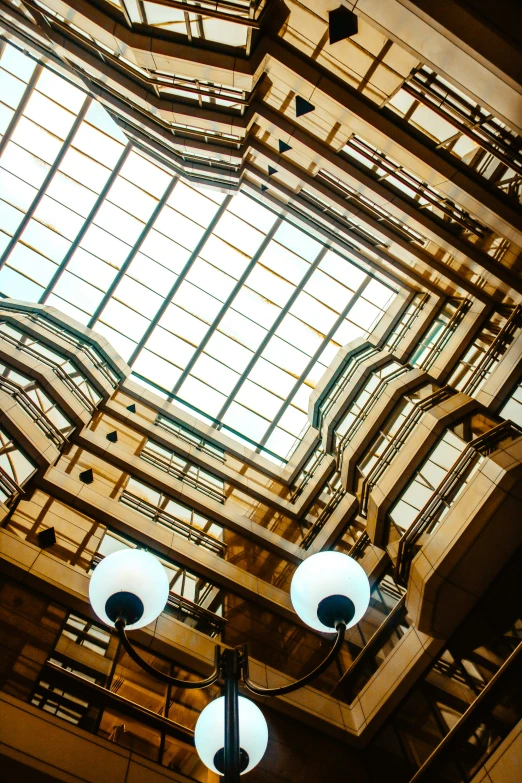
[[495, 351], [444, 495], [307, 475], [397, 442], [180, 604], [349, 368], [60, 373], [443, 338], [480, 730], [452, 214], [323, 518], [375, 651], [365, 411], [403, 327], [95, 355], [360, 546], [196, 481], [192, 438], [178, 526], [9, 488], [33, 411]]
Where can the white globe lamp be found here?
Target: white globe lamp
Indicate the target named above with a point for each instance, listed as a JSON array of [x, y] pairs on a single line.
[[130, 584], [328, 588], [209, 736]]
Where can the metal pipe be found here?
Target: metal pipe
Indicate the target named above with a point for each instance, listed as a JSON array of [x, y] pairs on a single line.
[[231, 672]]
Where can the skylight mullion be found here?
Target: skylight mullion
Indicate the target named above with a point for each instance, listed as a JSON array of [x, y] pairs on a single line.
[[181, 277], [219, 317], [133, 252], [270, 333], [47, 181], [31, 84], [314, 358], [87, 224]]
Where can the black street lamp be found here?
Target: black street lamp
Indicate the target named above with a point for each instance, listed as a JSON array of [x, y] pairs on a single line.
[[329, 591]]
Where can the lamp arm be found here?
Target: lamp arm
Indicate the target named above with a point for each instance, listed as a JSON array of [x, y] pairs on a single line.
[[294, 686], [136, 657]]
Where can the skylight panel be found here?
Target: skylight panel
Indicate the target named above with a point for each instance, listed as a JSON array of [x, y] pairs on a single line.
[[253, 305], [184, 324], [17, 63], [197, 302], [81, 294], [60, 91], [151, 365], [105, 246], [91, 269], [211, 279], [17, 160], [6, 114], [202, 396], [175, 226], [11, 88], [67, 191], [246, 421], [239, 234], [45, 241], [138, 297], [156, 276], [58, 217], [165, 251], [166, 344], [242, 329], [251, 364], [229, 352]]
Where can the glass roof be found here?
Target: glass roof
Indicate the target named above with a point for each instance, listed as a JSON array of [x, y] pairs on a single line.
[[214, 299]]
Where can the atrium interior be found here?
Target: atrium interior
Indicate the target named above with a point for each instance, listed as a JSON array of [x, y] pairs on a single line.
[[260, 298]]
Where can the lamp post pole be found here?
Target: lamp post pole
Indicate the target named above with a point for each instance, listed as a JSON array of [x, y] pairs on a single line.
[[231, 673]]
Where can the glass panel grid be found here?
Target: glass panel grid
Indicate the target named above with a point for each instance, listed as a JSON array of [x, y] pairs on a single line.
[[216, 300]]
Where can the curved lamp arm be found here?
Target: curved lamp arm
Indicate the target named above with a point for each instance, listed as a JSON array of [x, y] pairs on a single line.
[[136, 657], [341, 630]]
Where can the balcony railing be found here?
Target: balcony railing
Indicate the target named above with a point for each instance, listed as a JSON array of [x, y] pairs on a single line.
[[323, 518], [180, 605], [375, 651], [60, 373], [198, 480], [495, 351], [352, 363], [33, 411], [190, 437], [307, 474], [365, 411], [10, 491], [403, 327], [475, 737], [397, 442], [443, 338], [97, 358], [445, 494], [178, 526]]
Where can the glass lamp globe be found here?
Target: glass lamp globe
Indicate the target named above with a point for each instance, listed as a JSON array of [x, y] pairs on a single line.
[[131, 584], [327, 588], [209, 735]]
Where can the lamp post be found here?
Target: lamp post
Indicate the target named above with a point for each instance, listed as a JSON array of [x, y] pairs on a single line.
[[330, 593]]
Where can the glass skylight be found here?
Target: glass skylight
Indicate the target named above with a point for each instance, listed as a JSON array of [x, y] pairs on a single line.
[[213, 299]]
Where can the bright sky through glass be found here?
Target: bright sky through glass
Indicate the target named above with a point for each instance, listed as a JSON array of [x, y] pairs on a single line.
[[214, 298]]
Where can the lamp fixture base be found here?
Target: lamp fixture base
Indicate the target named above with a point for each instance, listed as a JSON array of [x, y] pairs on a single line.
[[334, 610], [219, 760], [125, 606]]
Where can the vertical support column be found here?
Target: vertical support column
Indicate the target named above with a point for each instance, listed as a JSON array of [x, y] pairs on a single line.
[[231, 672]]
